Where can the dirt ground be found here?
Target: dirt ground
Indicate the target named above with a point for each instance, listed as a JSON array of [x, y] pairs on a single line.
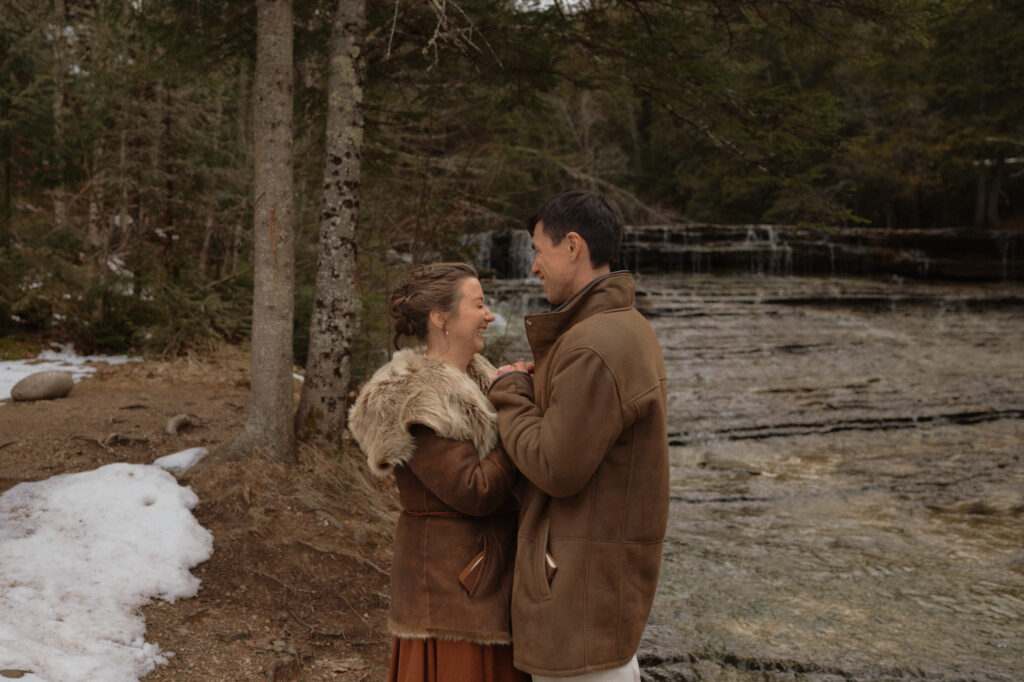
[[296, 588]]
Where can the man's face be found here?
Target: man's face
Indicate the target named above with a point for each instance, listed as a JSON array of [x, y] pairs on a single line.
[[552, 264]]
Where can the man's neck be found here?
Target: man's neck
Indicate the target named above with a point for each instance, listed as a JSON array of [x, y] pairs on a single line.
[[585, 276], [582, 282]]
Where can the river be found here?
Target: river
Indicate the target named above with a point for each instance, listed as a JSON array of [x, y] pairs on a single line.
[[847, 478]]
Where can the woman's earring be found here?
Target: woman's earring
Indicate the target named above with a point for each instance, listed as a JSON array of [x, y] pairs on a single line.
[[446, 333]]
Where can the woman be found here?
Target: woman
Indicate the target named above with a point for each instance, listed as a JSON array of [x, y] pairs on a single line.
[[424, 416]]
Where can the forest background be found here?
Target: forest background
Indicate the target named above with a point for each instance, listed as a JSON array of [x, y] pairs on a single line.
[[127, 139]]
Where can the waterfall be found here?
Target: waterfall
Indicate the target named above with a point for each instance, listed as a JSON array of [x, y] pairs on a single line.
[[503, 254], [520, 254], [783, 251], [479, 244]]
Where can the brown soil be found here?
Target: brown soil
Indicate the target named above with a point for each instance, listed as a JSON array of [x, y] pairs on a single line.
[[296, 588]]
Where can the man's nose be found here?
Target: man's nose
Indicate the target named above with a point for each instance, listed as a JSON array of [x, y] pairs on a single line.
[[533, 267]]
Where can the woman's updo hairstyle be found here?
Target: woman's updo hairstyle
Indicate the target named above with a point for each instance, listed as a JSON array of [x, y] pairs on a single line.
[[428, 287]]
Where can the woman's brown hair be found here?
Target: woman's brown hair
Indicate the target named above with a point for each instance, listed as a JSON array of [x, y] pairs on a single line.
[[428, 287]]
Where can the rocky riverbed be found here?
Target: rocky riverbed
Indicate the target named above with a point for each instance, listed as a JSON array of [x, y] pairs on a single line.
[[847, 479]]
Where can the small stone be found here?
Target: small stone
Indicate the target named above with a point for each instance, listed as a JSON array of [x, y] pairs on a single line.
[[43, 386]]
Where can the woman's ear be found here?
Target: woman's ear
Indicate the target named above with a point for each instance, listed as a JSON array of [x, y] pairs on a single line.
[[437, 319]]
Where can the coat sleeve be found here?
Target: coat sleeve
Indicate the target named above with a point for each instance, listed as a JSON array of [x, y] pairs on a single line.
[[560, 448], [453, 471]]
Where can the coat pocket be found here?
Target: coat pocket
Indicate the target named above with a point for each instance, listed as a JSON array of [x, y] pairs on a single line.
[[549, 567], [471, 574], [544, 564]]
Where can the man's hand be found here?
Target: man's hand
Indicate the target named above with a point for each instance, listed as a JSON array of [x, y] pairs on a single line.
[[520, 366]]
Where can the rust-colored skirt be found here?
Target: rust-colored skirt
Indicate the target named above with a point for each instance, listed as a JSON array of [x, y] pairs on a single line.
[[436, 660]]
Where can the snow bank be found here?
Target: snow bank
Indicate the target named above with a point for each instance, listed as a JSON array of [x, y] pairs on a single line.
[[79, 554], [13, 371]]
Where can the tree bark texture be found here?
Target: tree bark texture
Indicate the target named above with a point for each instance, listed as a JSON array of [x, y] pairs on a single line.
[[268, 425], [323, 402], [60, 207]]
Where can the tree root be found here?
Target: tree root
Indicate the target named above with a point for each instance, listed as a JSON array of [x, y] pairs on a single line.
[[179, 422]]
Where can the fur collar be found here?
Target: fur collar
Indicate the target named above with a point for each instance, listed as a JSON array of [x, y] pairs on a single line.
[[414, 389]]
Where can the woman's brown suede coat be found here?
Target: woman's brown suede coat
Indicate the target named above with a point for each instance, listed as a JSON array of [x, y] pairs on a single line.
[[432, 425], [588, 431]]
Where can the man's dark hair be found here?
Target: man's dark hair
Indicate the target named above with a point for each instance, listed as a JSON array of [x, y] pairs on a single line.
[[593, 216]]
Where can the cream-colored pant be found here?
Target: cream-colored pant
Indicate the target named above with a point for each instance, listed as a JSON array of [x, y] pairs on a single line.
[[627, 673]]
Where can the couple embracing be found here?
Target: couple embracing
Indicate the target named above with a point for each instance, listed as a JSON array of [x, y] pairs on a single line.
[[534, 496]]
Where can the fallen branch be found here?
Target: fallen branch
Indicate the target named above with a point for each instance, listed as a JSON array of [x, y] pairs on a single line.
[[290, 588], [117, 439], [315, 630], [346, 553], [179, 422], [94, 441]]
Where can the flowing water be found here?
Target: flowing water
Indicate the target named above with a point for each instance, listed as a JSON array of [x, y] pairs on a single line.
[[847, 478]]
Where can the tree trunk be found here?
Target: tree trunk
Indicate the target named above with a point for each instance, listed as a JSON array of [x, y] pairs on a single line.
[[5, 205], [244, 90], [979, 200], [122, 213], [268, 425], [95, 231], [323, 402], [204, 252], [995, 192], [60, 207]]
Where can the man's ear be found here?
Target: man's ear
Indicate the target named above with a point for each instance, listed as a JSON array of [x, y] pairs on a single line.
[[437, 318], [576, 245]]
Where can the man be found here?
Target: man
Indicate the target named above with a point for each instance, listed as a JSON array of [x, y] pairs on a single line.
[[585, 424]]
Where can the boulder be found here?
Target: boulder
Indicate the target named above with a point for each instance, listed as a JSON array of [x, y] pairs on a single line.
[[43, 386]]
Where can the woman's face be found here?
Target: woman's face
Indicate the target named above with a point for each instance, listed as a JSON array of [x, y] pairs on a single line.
[[466, 324]]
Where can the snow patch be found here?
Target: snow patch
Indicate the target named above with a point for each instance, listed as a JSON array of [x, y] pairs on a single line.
[[180, 462], [13, 371], [79, 555]]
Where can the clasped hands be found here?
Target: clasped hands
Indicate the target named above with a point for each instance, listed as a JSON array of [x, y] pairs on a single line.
[[519, 366]]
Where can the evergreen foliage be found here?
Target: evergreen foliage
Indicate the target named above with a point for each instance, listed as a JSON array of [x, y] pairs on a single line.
[[133, 120]]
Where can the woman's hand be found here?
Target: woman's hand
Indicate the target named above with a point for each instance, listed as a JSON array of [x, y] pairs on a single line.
[[519, 366]]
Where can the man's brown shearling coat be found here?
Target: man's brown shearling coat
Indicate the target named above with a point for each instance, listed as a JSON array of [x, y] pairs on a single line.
[[588, 431], [433, 427]]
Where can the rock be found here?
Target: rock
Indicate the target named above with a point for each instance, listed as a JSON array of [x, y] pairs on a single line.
[[43, 386]]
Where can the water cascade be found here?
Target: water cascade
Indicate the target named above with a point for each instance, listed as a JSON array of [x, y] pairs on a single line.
[[956, 254], [503, 254], [781, 250]]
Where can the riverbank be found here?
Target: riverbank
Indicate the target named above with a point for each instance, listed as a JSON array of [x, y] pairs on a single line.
[[296, 587], [847, 492], [848, 480]]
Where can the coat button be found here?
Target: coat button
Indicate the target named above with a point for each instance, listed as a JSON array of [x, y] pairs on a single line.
[[529, 323]]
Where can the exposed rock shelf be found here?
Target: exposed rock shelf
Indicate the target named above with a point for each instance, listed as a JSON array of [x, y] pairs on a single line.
[[847, 477], [953, 254], [848, 480]]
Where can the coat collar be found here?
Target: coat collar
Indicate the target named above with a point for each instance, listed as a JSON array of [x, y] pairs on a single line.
[[414, 389], [613, 291]]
